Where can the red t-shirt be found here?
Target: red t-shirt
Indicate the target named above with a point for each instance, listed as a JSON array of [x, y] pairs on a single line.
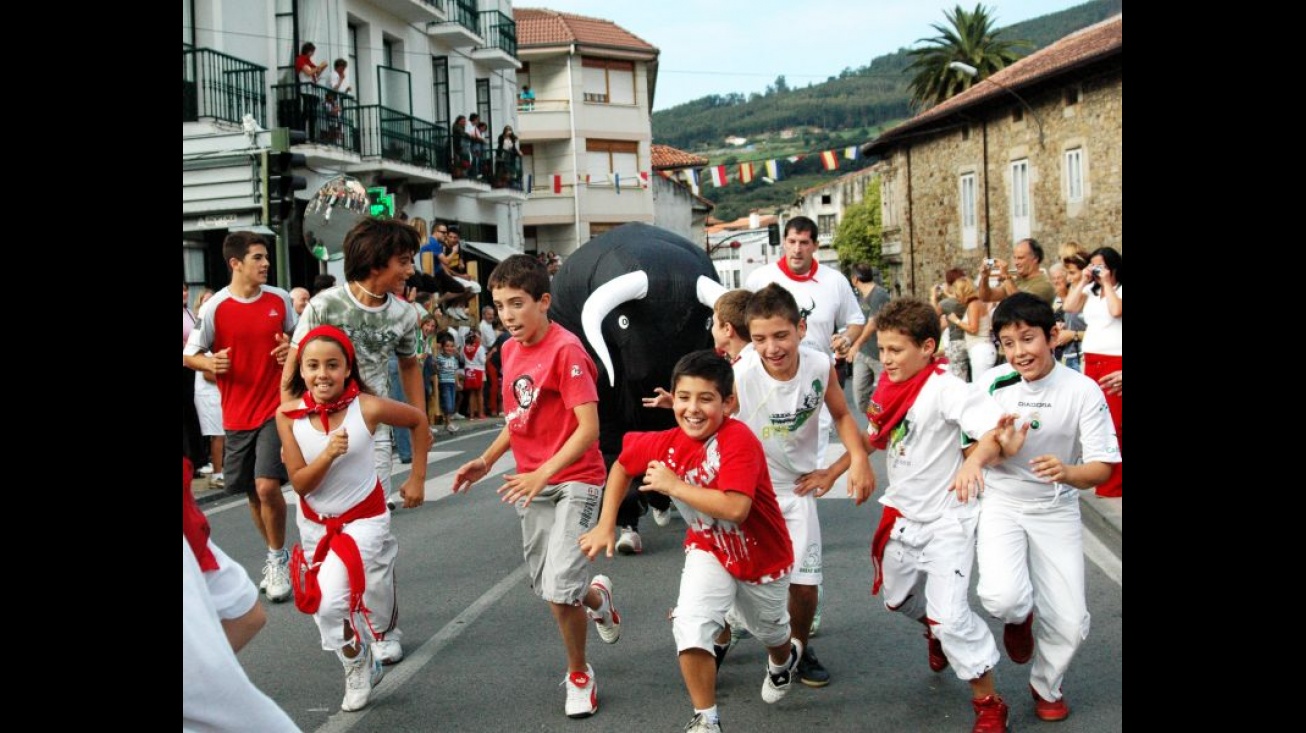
[[542, 385], [251, 388], [758, 550]]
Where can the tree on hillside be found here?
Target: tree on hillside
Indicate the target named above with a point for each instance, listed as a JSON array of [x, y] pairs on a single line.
[[969, 38], [857, 239]]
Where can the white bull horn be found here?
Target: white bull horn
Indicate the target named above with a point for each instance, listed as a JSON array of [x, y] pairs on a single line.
[[609, 295], [709, 290]]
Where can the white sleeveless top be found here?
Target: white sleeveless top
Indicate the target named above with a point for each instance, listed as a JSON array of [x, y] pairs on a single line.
[[352, 476], [985, 334]]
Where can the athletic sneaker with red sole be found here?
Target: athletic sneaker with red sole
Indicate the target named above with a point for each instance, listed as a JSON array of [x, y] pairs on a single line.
[[990, 715], [938, 660]]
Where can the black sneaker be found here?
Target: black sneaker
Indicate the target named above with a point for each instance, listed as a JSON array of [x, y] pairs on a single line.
[[810, 670]]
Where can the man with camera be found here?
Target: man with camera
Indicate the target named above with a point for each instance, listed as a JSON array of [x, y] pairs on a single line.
[[1026, 258]]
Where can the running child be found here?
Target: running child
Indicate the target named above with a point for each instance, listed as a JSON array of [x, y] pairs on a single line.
[[737, 549], [924, 547], [1030, 538], [781, 387], [344, 570], [550, 395]]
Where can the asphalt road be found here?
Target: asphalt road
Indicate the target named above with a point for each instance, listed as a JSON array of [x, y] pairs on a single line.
[[483, 653]]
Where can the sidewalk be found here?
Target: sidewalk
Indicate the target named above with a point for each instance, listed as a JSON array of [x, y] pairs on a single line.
[[1106, 512], [204, 494]]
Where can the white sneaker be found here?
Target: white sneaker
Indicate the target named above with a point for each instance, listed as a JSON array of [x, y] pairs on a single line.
[[459, 416], [388, 651], [609, 630], [452, 428], [775, 686], [362, 673], [582, 693], [206, 469], [661, 517], [276, 580], [629, 542], [700, 724]]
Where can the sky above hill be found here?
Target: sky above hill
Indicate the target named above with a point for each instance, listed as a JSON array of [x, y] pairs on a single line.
[[726, 46]]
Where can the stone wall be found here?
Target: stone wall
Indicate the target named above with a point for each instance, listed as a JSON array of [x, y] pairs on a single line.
[[921, 198]]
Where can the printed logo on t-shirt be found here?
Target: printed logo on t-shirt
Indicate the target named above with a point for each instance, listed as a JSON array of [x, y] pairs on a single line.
[[272, 312], [524, 388], [787, 423], [575, 371]]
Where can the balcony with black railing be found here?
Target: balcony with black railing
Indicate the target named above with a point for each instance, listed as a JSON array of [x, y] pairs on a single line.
[[326, 116], [460, 27], [414, 11], [500, 34], [215, 86], [395, 136]]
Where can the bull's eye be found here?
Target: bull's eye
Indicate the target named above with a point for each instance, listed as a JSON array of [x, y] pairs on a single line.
[[623, 322]]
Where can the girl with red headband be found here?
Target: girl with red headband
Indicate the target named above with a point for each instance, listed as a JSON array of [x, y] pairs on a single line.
[[344, 571]]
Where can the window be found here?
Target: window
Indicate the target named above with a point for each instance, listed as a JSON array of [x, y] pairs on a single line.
[[1073, 95], [528, 166], [969, 228], [965, 132], [1074, 167], [440, 73], [478, 232], [1020, 214], [607, 81], [825, 199], [888, 217], [612, 156], [825, 224], [483, 105], [1017, 114], [351, 55]]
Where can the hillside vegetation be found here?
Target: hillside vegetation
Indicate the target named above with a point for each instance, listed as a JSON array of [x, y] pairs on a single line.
[[848, 109]]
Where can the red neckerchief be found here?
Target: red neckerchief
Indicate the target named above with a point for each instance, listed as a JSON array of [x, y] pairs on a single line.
[[194, 527], [892, 400], [811, 274], [310, 406]]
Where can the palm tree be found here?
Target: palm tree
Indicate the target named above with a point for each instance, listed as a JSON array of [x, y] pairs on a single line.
[[970, 39]]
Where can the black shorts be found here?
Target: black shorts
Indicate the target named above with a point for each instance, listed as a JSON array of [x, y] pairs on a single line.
[[253, 454]]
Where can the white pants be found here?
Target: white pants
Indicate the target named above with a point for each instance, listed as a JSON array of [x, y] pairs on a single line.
[[1031, 557], [708, 592], [382, 450], [804, 526], [378, 548], [982, 357], [927, 568]]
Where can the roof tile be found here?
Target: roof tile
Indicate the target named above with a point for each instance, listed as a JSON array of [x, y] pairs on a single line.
[[544, 27]]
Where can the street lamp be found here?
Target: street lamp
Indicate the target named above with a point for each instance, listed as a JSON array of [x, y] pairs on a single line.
[[972, 72]]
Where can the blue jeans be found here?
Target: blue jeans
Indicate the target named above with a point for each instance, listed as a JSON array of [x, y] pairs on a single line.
[[403, 440], [448, 398]]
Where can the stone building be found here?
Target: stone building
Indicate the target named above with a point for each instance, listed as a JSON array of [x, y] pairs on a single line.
[[1036, 150]]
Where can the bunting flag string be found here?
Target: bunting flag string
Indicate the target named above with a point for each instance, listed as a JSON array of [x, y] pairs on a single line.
[[557, 183], [745, 172], [719, 176], [773, 169], [829, 160]]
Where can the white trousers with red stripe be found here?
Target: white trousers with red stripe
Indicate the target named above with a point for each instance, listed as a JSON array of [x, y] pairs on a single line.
[[378, 548], [1031, 557]]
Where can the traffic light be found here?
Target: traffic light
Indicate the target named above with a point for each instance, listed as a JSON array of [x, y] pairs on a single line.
[[283, 183], [380, 203]]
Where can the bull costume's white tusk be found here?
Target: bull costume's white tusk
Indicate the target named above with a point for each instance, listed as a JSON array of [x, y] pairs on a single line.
[[709, 290], [609, 295]]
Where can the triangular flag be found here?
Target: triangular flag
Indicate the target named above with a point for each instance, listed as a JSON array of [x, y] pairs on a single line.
[[745, 172], [643, 179], [557, 183], [829, 160], [773, 169], [693, 179], [665, 175], [796, 158], [616, 177], [586, 179], [850, 152], [719, 176]]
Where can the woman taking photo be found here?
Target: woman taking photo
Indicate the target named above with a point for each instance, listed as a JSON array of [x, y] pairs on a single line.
[[1098, 296]]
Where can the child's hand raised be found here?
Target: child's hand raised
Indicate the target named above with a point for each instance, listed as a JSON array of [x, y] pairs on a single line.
[[282, 349], [1009, 436], [338, 444], [660, 398]]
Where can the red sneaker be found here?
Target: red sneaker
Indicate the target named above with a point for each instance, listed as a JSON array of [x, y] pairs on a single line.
[[1019, 639], [938, 660], [1050, 711], [990, 715]]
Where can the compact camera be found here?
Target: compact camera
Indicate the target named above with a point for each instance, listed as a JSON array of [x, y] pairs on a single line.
[[990, 263], [1097, 271]]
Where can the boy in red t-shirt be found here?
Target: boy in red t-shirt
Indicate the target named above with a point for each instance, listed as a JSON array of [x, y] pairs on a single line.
[[737, 548], [550, 395]]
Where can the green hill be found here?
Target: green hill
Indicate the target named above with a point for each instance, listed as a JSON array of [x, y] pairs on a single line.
[[847, 109]]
